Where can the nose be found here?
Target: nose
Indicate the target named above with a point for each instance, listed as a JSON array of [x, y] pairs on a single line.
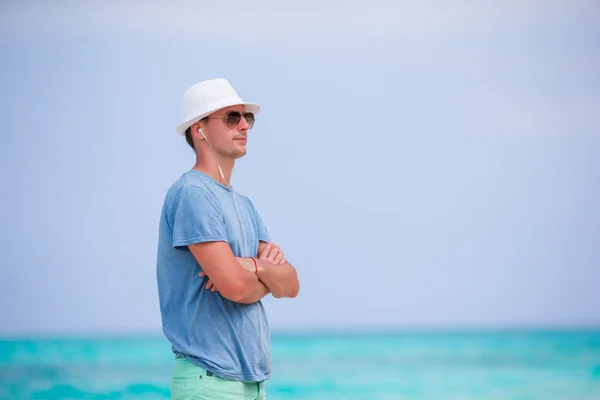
[[243, 125]]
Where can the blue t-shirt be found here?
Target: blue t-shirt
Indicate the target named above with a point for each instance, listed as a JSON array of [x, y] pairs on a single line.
[[229, 339]]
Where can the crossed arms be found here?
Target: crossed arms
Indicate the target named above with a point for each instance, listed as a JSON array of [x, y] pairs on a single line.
[[234, 277]]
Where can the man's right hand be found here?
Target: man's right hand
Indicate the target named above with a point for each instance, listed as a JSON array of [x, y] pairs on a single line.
[[272, 254]]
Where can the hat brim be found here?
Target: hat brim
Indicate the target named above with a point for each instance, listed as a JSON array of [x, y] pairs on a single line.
[[250, 107]]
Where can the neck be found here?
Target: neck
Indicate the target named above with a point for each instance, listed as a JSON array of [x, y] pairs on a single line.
[[206, 163]]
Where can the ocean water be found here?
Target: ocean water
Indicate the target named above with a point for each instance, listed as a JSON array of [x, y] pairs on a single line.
[[494, 365]]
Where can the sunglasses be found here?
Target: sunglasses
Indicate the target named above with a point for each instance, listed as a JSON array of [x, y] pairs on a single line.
[[234, 117]]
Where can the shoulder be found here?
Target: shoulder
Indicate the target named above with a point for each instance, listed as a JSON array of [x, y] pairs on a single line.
[[190, 189]]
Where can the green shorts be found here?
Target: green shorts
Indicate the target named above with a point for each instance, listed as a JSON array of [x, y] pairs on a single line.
[[192, 382]]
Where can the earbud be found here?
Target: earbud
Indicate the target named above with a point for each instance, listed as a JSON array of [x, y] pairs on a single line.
[[200, 131]]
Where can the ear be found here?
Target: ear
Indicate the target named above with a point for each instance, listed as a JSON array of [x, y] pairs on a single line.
[[196, 130]]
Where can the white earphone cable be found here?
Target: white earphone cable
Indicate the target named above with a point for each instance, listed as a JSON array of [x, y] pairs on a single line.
[[232, 193]]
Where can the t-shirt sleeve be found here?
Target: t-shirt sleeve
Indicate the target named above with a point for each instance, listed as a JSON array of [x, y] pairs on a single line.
[[197, 217]]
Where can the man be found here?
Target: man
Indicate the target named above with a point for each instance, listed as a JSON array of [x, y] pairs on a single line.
[[216, 260]]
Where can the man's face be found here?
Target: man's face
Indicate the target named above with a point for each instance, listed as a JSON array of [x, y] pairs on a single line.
[[226, 138]]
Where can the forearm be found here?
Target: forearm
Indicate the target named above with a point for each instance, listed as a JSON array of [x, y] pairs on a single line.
[[258, 290], [280, 279], [254, 289]]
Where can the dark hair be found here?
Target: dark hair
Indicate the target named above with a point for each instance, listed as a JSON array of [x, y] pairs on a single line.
[[188, 135], [188, 138]]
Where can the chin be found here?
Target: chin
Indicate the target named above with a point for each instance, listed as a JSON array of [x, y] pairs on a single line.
[[239, 154]]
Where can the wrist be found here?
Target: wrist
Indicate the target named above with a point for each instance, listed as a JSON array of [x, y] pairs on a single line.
[[261, 266], [247, 263], [255, 262]]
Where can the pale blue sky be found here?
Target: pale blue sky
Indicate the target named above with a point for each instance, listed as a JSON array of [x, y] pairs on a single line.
[[422, 165]]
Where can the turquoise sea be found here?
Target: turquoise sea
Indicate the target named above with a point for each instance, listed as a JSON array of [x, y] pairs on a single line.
[[495, 365]]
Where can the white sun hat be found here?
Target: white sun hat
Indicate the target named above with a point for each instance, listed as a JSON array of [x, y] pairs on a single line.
[[206, 97]]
